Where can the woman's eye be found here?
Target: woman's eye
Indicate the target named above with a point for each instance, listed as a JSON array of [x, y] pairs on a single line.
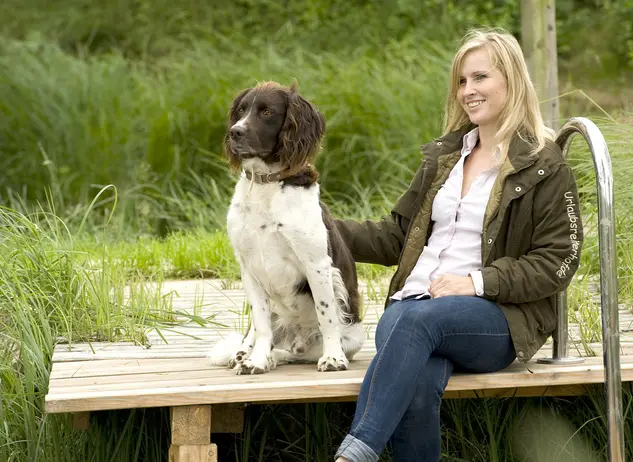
[[462, 81], [480, 76]]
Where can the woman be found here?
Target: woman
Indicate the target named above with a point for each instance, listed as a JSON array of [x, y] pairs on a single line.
[[485, 237]]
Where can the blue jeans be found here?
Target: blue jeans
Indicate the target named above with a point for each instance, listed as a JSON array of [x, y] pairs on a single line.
[[418, 344]]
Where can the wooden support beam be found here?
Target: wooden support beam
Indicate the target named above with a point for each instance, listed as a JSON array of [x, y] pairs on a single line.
[[191, 435], [193, 453], [228, 418], [538, 37], [81, 420]]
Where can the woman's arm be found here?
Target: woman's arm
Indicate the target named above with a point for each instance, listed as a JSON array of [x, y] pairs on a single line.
[[381, 242], [375, 242], [556, 242]]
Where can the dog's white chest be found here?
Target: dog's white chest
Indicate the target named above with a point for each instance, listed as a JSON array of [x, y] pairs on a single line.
[[261, 224]]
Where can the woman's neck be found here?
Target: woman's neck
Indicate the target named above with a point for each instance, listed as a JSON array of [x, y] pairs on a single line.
[[487, 139]]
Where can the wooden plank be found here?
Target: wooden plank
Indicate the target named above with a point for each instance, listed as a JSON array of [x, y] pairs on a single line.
[[141, 354], [520, 392], [209, 376], [116, 367], [126, 375], [524, 392], [267, 387], [190, 425], [194, 453], [103, 373], [228, 418], [510, 377], [200, 349], [191, 434]]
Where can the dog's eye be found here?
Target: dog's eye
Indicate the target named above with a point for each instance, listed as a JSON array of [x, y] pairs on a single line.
[[267, 112], [240, 110]]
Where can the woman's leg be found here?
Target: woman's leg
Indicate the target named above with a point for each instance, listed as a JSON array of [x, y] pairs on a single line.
[[470, 332], [417, 435]]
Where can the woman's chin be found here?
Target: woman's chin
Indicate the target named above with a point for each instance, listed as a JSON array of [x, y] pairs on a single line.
[[478, 119]]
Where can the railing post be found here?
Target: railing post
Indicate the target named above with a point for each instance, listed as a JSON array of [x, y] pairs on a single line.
[[608, 282], [560, 340]]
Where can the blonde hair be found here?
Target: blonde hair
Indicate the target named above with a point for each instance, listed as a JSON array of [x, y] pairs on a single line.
[[521, 114]]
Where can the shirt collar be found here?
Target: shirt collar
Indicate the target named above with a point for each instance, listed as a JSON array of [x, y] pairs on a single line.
[[470, 141]]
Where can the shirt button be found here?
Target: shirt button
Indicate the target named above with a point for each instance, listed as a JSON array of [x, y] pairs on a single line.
[[417, 228], [518, 189], [541, 172], [489, 241], [521, 354], [439, 143]]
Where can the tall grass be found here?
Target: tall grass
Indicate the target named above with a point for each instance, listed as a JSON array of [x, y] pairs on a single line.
[[50, 292], [155, 131]]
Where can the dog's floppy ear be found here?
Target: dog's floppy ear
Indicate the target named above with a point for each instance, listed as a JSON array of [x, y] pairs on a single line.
[[300, 136], [234, 159]]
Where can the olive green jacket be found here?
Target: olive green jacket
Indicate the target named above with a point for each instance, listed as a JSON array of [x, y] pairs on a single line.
[[531, 237]]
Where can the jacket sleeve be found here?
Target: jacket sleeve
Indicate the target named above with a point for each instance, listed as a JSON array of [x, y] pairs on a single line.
[[380, 242], [554, 254]]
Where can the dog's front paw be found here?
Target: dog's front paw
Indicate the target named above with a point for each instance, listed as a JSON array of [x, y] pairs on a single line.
[[332, 363], [253, 366], [237, 358], [249, 367]]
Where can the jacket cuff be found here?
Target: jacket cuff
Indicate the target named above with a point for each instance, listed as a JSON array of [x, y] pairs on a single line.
[[490, 278], [478, 282]]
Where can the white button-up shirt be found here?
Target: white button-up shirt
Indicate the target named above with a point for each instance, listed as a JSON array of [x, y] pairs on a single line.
[[454, 246]]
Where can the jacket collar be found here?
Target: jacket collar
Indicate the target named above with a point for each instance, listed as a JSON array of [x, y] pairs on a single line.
[[519, 153]]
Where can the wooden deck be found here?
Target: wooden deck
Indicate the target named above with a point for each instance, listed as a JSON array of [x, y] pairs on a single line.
[[106, 376]]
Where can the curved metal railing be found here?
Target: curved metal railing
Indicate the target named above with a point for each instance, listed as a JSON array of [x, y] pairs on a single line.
[[608, 283]]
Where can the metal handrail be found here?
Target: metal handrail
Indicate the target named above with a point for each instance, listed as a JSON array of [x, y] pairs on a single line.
[[608, 282]]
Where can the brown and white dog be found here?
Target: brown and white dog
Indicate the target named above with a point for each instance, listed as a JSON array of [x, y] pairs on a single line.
[[298, 275]]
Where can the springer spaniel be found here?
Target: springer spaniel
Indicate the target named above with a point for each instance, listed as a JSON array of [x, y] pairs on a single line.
[[298, 275]]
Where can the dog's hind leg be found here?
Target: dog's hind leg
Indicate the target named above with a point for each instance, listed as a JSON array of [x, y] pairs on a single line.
[[352, 339]]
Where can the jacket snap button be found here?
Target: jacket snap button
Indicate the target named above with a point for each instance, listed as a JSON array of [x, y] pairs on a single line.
[[417, 228], [489, 241], [518, 189], [521, 354], [439, 143], [541, 172]]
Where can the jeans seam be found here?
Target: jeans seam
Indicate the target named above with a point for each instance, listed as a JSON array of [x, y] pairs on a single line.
[[444, 372]]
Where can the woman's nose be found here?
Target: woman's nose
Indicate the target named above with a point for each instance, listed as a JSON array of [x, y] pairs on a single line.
[[468, 88]]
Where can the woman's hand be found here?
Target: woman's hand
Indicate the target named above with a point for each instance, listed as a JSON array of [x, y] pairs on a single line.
[[450, 284]]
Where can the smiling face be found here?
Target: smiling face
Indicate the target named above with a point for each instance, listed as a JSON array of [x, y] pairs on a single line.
[[483, 90]]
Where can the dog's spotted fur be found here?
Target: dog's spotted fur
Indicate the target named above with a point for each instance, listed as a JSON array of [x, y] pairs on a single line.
[[299, 277]]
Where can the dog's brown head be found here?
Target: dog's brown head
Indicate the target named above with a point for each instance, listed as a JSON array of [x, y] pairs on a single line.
[[275, 124]]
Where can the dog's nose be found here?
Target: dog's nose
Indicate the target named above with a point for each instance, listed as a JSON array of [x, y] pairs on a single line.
[[237, 131]]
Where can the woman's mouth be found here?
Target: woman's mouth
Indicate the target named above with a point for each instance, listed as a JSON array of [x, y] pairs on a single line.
[[474, 104]]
